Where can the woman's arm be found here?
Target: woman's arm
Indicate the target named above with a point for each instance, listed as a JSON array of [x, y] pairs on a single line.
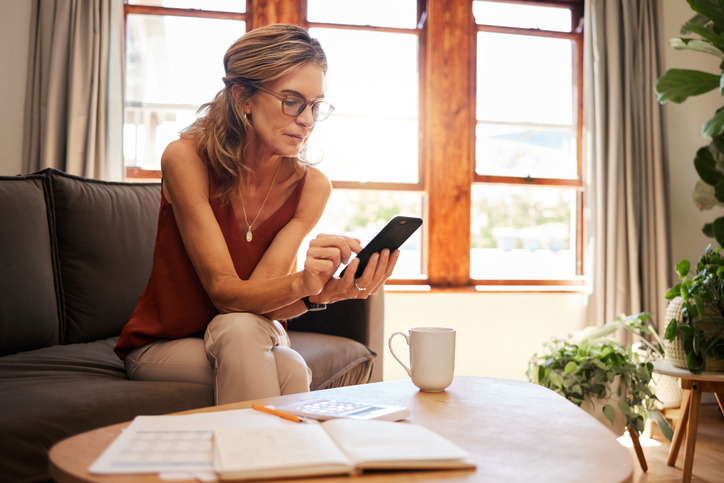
[[186, 188]]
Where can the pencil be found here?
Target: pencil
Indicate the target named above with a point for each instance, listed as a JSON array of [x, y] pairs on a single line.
[[275, 412]]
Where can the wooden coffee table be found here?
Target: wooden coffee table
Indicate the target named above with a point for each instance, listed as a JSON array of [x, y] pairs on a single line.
[[515, 431]]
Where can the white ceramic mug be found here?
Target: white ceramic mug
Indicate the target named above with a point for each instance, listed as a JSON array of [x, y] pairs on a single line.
[[432, 357]]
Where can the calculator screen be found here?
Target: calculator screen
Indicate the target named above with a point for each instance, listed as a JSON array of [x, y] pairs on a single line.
[[363, 411]]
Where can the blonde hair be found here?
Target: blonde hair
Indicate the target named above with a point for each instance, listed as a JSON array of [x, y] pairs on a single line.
[[221, 130]]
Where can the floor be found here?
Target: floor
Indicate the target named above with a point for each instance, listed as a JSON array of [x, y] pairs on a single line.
[[708, 457]]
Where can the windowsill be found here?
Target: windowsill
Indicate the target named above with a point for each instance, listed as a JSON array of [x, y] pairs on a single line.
[[472, 289]]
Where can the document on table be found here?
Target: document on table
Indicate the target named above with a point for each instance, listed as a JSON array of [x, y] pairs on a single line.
[[172, 444]]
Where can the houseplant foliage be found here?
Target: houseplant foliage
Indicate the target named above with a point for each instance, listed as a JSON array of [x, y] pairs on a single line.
[[704, 34], [702, 316], [585, 367]]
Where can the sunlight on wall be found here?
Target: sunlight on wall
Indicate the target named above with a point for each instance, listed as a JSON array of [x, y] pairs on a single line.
[[497, 333]]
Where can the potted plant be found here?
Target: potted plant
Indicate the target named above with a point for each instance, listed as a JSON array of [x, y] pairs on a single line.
[[676, 85], [610, 380], [700, 327]]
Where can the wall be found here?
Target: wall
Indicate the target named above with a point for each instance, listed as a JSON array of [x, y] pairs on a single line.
[[15, 38], [496, 333], [682, 126]]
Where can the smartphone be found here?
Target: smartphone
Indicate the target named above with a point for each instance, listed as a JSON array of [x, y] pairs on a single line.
[[392, 236]]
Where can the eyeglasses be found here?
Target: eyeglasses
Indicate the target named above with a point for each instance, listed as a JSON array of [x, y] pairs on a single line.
[[294, 105]]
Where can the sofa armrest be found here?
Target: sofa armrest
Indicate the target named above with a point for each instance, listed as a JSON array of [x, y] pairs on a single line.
[[360, 320]]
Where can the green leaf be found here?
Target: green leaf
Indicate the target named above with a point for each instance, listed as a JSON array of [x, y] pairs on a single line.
[[697, 46], [697, 20], [683, 267], [706, 167], [695, 362], [610, 413], [704, 31], [717, 144], [671, 330], [570, 367], [708, 230], [624, 407], [718, 227], [711, 9], [663, 424], [697, 342], [713, 126], [717, 351], [556, 380], [704, 196], [699, 306], [678, 84]]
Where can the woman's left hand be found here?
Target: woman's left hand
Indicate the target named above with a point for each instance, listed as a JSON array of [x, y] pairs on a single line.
[[378, 270]]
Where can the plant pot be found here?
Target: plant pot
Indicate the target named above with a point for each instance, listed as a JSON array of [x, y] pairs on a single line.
[[675, 350], [594, 407], [668, 391]]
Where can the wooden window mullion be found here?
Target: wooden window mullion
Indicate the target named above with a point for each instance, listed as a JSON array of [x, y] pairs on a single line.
[[449, 129]]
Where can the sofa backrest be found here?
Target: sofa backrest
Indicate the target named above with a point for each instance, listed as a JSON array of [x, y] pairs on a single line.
[[28, 306], [75, 254], [105, 234]]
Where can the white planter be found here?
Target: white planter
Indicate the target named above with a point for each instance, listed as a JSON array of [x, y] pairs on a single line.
[[595, 409], [668, 391]]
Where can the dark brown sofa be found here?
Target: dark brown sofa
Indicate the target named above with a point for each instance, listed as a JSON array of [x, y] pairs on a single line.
[[75, 255]]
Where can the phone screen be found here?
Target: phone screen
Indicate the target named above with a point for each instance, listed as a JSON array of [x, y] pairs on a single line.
[[392, 236]]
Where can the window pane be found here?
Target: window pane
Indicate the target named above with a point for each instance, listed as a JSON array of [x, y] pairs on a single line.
[[376, 13], [522, 16], [373, 133], [524, 79], [526, 150], [522, 233], [169, 74], [363, 213], [238, 6]]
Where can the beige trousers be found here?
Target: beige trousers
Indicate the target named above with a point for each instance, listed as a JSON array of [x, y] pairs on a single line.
[[243, 356]]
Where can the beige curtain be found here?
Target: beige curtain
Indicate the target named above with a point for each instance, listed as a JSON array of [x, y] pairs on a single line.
[[74, 101], [628, 234]]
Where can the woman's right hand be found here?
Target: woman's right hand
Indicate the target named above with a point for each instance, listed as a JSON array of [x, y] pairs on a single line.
[[325, 255]]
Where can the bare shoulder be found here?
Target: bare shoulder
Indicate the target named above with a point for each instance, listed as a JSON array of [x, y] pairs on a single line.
[[184, 172], [317, 183], [180, 153], [316, 192]]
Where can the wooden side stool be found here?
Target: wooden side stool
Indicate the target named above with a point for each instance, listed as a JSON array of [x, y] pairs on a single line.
[[693, 385]]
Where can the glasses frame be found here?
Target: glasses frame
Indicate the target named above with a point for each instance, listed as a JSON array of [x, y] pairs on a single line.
[[311, 104]]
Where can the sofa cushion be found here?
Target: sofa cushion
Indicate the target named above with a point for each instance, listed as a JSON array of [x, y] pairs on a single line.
[[335, 361], [105, 237], [52, 393], [28, 307]]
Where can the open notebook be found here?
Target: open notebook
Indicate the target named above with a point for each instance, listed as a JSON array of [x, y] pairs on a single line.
[[337, 446]]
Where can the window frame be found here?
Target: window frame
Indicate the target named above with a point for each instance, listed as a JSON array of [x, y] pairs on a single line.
[[576, 37], [446, 143]]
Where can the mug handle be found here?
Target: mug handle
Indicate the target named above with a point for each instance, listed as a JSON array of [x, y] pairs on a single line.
[[389, 344]]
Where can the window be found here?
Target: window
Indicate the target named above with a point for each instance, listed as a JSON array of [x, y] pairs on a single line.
[[370, 148], [172, 67], [466, 114], [527, 181]]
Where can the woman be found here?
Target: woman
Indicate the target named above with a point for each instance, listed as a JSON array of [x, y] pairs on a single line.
[[237, 202]]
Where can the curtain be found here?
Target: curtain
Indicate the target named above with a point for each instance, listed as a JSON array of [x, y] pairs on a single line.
[[626, 184], [74, 101]]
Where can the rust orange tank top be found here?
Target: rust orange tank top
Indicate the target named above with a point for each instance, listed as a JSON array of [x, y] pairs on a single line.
[[174, 303]]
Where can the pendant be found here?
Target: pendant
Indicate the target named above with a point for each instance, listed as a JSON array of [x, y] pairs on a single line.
[[248, 235]]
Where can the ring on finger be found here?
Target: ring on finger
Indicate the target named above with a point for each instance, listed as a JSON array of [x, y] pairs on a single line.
[[361, 289]]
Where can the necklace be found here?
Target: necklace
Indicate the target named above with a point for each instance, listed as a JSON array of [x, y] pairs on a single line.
[[248, 233]]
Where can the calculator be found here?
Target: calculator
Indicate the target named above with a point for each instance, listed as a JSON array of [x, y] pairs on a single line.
[[323, 409]]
